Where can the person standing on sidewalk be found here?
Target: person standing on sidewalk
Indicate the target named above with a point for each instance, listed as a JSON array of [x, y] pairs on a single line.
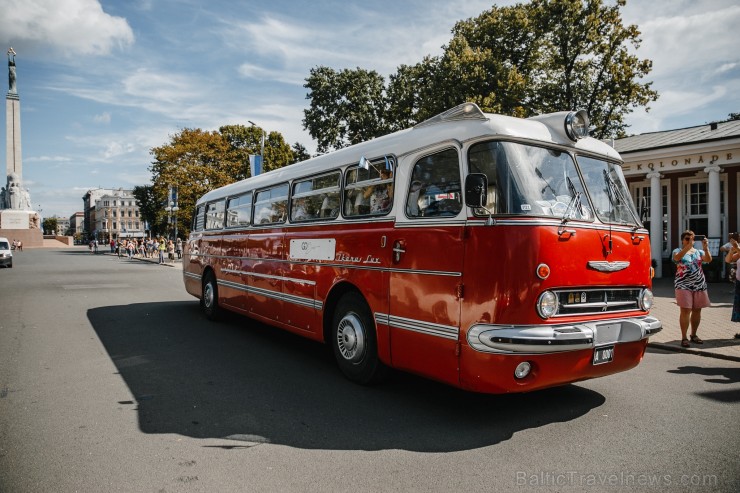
[[733, 255], [690, 285], [162, 247]]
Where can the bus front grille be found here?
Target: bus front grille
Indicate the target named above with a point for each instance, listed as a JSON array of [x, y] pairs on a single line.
[[593, 301]]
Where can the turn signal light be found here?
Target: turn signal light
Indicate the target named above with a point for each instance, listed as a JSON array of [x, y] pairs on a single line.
[[543, 271]]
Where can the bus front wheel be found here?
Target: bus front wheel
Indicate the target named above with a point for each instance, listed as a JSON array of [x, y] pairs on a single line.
[[354, 341], [209, 300]]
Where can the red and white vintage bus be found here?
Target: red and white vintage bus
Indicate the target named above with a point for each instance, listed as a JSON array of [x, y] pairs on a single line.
[[491, 253]]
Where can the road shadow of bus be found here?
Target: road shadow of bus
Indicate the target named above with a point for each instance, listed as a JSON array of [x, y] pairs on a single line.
[[248, 382]]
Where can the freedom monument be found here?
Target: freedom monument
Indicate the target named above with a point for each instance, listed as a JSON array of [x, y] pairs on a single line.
[[18, 221]]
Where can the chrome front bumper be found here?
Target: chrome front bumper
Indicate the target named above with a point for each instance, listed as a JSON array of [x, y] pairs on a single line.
[[544, 339]]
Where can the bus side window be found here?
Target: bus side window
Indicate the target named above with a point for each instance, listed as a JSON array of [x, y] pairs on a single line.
[[316, 198], [199, 218], [239, 211], [270, 206], [215, 214], [369, 191], [435, 186]]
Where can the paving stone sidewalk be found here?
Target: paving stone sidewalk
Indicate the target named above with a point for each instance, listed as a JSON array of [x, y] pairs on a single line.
[[716, 329]]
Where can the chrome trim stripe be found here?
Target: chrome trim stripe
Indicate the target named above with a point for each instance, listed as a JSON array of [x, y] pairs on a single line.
[[338, 266], [267, 276], [289, 298], [428, 223], [438, 330], [192, 275]]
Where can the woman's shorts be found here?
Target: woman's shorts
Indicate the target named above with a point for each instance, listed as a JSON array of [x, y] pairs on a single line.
[[692, 299]]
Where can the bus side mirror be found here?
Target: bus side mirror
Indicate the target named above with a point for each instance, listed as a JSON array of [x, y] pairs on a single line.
[[476, 188]]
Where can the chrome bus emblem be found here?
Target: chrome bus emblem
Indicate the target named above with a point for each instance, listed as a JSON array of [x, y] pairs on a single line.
[[606, 266]]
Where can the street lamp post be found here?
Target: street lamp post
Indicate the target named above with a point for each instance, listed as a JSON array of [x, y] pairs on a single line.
[[172, 207]]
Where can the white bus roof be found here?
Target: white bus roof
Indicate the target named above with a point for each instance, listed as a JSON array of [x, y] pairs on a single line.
[[462, 123]]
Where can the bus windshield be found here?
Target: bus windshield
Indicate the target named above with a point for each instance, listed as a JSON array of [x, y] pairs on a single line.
[[608, 188], [530, 180]]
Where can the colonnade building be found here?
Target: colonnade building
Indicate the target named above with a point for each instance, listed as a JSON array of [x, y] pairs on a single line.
[[689, 178]]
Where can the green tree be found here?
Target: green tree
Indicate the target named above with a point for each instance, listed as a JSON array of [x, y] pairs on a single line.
[[300, 153], [149, 207], [248, 140], [521, 60], [347, 107], [196, 162], [50, 225]]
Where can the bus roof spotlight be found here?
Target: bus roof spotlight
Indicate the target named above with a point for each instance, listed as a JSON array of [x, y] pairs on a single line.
[[522, 369], [576, 125]]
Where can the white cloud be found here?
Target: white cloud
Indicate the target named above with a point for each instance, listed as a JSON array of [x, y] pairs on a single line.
[[684, 44], [69, 27], [43, 159], [252, 71], [102, 118]]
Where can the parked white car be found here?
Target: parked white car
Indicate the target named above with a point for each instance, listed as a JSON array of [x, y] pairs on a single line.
[[6, 255]]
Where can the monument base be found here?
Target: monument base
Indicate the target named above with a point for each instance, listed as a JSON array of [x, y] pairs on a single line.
[[31, 238], [22, 226]]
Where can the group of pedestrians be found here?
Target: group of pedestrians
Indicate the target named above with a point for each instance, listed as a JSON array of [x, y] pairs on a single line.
[[691, 285], [148, 248], [18, 245]]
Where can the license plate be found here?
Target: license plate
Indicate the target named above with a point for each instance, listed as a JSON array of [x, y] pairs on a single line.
[[603, 354]]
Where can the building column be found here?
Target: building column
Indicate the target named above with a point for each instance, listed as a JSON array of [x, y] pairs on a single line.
[[656, 223], [713, 205]]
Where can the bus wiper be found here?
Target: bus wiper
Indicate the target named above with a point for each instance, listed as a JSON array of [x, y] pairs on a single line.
[[616, 197], [575, 197]]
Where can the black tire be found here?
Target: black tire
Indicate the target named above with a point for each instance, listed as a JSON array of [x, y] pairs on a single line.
[[354, 341], [209, 297]]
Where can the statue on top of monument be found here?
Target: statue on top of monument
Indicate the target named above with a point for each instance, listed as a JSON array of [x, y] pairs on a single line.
[[11, 71]]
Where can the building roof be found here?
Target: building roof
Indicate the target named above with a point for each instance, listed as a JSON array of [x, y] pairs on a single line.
[[679, 137]]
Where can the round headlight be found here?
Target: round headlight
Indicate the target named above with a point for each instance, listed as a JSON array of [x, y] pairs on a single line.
[[646, 299], [547, 305], [576, 124]]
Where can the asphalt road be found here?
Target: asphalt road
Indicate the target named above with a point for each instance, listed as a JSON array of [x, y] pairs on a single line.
[[112, 380]]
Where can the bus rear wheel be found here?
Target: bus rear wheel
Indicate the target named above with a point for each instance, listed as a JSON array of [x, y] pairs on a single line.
[[209, 298], [354, 341]]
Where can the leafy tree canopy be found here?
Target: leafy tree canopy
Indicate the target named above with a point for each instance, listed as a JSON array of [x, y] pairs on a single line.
[[522, 60], [196, 161]]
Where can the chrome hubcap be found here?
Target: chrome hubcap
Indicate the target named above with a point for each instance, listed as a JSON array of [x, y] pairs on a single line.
[[208, 295], [351, 338]]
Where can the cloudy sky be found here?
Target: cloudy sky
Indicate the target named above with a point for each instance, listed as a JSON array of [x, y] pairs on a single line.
[[103, 81]]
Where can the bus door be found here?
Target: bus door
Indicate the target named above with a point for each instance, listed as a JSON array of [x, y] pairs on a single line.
[[426, 249]]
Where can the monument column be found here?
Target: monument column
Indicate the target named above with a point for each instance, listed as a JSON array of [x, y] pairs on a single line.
[[13, 160], [17, 219]]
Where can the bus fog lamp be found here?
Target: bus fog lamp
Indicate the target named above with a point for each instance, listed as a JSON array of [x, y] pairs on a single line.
[[547, 305], [522, 369], [646, 299]]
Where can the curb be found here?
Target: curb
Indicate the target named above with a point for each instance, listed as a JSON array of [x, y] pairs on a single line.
[[679, 349]]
